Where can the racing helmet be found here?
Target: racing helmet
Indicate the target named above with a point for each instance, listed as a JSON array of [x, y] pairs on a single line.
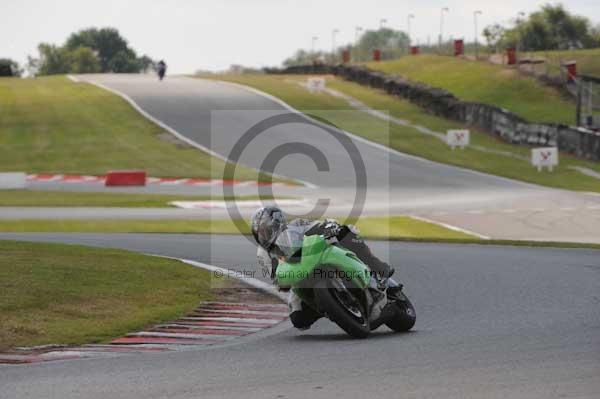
[[267, 223]]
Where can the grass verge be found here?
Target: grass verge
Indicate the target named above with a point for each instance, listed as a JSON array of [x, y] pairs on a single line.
[[102, 199], [120, 226], [53, 125], [405, 227], [394, 227], [485, 83], [512, 162], [67, 294]]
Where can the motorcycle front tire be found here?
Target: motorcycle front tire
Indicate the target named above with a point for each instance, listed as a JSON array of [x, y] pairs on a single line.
[[337, 313]]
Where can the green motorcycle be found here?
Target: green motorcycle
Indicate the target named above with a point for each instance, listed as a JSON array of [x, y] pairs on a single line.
[[334, 282]]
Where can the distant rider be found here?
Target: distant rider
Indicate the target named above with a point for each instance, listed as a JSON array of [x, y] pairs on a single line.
[[161, 69], [268, 224]]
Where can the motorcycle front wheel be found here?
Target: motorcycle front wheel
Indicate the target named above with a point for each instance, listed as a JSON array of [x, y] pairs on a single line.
[[341, 304]]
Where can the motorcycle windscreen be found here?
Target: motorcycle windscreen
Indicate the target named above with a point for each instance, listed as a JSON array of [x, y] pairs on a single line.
[[289, 242]]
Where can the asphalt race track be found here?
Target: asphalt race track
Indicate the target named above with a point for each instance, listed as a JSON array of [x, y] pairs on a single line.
[[493, 322]]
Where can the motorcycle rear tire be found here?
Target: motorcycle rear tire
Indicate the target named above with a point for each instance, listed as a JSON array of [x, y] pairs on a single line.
[[405, 316]]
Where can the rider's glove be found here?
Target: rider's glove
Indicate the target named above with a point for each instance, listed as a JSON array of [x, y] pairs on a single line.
[[331, 228]]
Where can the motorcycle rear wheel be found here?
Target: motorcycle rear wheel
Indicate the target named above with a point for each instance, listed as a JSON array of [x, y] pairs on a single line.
[[405, 316], [342, 307]]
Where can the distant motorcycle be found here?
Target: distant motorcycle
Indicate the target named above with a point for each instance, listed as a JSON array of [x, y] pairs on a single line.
[[335, 283], [161, 69]]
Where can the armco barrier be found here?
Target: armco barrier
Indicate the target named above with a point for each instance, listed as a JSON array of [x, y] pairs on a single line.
[[125, 178], [12, 180], [503, 123]]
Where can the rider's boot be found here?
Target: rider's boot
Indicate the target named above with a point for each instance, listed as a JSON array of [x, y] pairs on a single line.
[[394, 289]]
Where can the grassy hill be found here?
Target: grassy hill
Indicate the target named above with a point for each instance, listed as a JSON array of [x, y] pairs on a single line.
[[485, 83], [53, 125]]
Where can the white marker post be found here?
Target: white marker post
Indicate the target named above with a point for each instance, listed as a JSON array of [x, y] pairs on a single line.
[[544, 157], [458, 138], [315, 85]]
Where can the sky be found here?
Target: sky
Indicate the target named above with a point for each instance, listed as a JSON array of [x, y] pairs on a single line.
[[213, 34]]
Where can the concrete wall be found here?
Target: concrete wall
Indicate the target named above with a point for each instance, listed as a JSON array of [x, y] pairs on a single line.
[[508, 126]]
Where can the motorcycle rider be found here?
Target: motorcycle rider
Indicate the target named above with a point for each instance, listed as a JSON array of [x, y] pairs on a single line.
[[161, 68], [268, 224]]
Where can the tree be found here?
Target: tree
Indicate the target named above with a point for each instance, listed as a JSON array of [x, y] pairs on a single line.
[[108, 44], [493, 35], [301, 57], [9, 67], [84, 60], [32, 66], [146, 64], [124, 62], [53, 60], [89, 51], [391, 42], [595, 36], [551, 28]]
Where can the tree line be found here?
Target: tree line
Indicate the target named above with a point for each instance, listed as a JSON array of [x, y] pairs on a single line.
[[550, 28], [90, 50], [394, 42]]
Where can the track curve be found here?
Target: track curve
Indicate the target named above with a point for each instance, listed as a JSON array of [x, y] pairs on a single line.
[[493, 322]]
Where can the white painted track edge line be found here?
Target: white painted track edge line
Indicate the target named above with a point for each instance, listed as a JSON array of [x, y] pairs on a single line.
[[179, 135], [233, 319], [244, 312], [183, 335], [241, 304], [253, 282], [451, 227]]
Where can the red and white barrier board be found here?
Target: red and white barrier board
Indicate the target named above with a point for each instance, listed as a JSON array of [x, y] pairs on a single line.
[[125, 178]]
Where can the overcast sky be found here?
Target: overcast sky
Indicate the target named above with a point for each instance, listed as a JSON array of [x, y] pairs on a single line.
[[213, 34]]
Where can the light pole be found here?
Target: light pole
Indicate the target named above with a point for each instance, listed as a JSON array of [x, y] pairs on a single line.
[[382, 23], [314, 42], [519, 21], [408, 18], [475, 14], [357, 32], [444, 9], [333, 33]]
